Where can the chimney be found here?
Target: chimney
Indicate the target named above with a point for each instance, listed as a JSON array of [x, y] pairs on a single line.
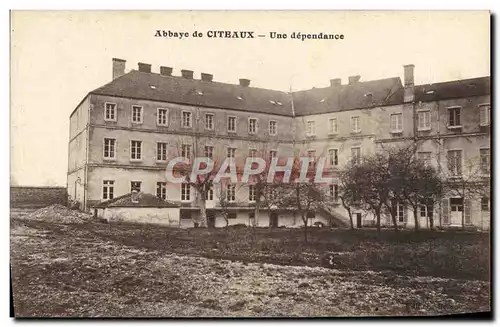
[[244, 82], [166, 71], [135, 196], [187, 73], [354, 79], [336, 82], [118, 67], [207, 77], [145, 68], [409, 83]]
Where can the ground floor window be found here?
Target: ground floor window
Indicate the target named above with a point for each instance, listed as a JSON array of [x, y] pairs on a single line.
[[485, 204], [108, 190], [457, 204], [185, 214], [399, 211], [161, 190], [426, 209], [135, 186], [231, 215]]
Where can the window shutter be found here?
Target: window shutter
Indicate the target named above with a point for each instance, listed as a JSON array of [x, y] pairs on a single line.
[[405, 215], [467, 211], [427, 119], [445, 209]]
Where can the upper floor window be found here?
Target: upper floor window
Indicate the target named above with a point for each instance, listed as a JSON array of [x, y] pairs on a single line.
[[161, 190], [231, 153], [333, 155], [109, 148], [251, 193], [396, 123], [311, 154], [484, 114], [187, 119], [186, 151], [252, 153], [355, 126], [355, 154], [311, 128], [136, 150], [185, 192], [485, 204], [162, 117], [333, 126], [334, 192], [252, 125], [424, 120], [455, 162], [231, 124], [273, 127], [210, 194], [209, 121], [209, 151], [231, 193], [108, 188], [484, 155], [273, 154], [136, 114], [110, 111], [161, 151], [454, 117]]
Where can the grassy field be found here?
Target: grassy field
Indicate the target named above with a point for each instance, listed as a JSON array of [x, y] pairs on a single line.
[[97, 269]]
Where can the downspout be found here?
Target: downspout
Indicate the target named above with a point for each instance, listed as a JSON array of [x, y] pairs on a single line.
[[87, 142]]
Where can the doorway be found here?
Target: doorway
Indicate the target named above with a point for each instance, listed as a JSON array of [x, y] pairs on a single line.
[[273, 220], [210, 219], [456, 209], [358, 220]]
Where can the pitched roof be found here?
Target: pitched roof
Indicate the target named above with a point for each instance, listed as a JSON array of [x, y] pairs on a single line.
[[173, 89], [454, 89], [345, 97], [145, 200]]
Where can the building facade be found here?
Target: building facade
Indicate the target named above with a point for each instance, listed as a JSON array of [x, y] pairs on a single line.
[[123, 134]]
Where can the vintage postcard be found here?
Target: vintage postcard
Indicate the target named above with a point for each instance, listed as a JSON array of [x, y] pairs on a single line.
[[250, 163]]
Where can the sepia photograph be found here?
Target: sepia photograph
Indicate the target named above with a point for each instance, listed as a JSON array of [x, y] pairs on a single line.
[[231, 164]]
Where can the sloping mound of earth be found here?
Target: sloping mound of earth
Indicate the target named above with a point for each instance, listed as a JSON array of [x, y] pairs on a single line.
[[59, 214]]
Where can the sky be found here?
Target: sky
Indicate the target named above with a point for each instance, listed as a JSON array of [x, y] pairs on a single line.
[[57, 57]]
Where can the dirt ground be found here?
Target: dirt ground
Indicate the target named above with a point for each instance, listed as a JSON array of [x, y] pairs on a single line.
[[88, 270]]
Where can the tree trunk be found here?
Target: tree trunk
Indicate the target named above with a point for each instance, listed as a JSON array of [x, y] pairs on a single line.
[[305, 228], [431, 221], [350, 218], [377, 213], [415, 217], [203, 212], [394, 221]]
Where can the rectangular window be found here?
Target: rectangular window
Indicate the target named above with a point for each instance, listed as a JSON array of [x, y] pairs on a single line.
[[456, 204], [273, 127], [231, 193], [108, 188], [209, 151], [210, 194], [185, 192], [454, 117], [334, 192], [252, 125], [396, 123], [186, 151], [455, 162], [187, 121], [425, 157], [161, 151], [231, 215], [110, 111], [426, 209], [136, 114], [333, 154], [484, 155], [251, 193], [209, 121], [311, 154], [355, 155], [398, 210], [485, 204], [424, 120], [161, 190], [273, 154], [162, 117], [484, 114], [333, 125], [135, 186], [136, 150], [109, 148], [231, 124], [311, 128], [252, 153], [231, 153], [355, 126]]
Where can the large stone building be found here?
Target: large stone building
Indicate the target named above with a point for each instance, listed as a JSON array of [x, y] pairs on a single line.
[[122, 134]]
